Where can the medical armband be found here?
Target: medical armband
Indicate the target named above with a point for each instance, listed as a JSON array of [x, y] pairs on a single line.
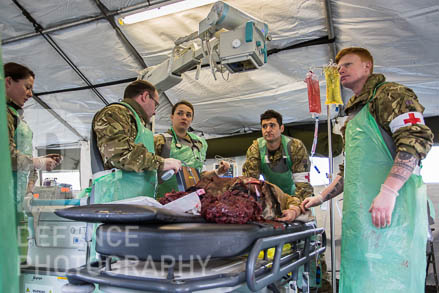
[[301, 177], [406, 119]]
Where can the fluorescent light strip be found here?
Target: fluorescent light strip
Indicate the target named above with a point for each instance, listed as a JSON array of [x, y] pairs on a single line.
[[164, 10]]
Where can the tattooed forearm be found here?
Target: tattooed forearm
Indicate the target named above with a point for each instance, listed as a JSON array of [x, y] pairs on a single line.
[[403, 166], [338, 188]]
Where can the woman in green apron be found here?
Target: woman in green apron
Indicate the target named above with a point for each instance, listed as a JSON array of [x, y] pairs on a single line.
[[19, 82], [180, 144]]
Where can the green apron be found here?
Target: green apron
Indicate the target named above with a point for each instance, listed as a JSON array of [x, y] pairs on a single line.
[[390, 259], [118, 184], [23, 141], [191, 156], [282, 179]]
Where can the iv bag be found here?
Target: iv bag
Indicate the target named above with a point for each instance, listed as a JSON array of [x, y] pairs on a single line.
[[313, 86], [333, 92]]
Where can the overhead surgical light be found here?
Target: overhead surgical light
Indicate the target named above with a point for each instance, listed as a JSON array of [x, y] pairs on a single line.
[[163, 10]]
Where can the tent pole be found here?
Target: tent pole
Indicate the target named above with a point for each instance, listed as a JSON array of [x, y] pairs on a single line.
[[331, 206], [332, 52]]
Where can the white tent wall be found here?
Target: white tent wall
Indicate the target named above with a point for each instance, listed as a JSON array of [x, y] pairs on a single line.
[[52, 72], [46, 129], [403, 38], [401, 35], [113, 59]]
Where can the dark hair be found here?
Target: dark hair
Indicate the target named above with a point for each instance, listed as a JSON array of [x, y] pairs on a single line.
[[183, 102], [272, 114], [364, 55], [138, 87], [17, 71]]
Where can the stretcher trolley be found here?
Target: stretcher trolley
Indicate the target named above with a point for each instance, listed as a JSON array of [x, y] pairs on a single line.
[[148, 249]]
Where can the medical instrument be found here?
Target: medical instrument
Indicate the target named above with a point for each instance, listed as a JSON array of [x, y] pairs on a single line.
[[177, 142], [231, 41], [167, 175], [55, 244]]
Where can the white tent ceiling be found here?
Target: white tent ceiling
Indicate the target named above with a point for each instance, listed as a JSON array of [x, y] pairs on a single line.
[[403, 36]]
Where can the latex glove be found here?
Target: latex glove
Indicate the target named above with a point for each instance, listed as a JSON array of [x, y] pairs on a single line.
[[57, 157], [382, 207], [44, 163], [171, 163], [224, 166], [291, 214], [310, 202]]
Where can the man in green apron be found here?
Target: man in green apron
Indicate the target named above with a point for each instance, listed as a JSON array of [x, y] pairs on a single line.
[[280, 159], [181, 144], [283, 161], [19, 82], [126, 145], [384, 225]]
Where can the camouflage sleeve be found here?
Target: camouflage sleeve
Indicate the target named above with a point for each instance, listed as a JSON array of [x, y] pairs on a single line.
[[159, 142], [116, 131], [252, 164], [19, 160], [395, 100], [291, 200], [301, 164]]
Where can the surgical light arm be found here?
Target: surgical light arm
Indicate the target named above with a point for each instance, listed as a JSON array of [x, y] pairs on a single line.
[[228, 36]]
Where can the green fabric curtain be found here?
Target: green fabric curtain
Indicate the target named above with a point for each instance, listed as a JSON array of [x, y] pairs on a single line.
[[9, 268]]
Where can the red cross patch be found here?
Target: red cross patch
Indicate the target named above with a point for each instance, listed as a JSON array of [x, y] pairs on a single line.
[[307, 177], [301, 177], [412, 119], [406, 119]]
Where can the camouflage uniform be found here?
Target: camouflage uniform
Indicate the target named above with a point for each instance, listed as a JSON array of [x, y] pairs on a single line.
[[115, 128], [300, 164], [20, 161], [393, 99]]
